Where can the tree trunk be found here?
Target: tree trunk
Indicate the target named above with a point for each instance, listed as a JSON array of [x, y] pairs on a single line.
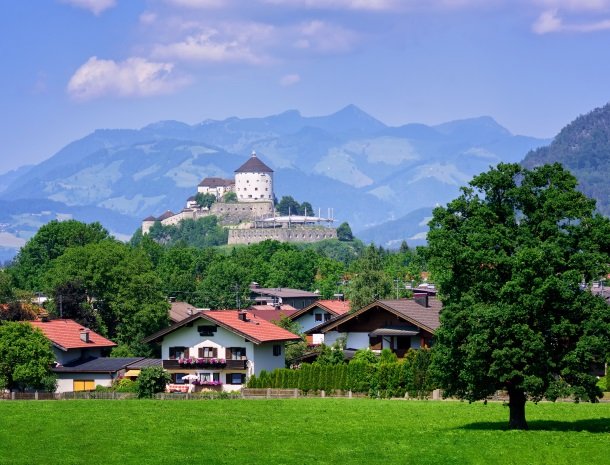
[[516, 405]]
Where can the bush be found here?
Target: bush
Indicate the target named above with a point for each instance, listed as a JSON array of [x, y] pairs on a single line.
[[125, 385], [151, 381]]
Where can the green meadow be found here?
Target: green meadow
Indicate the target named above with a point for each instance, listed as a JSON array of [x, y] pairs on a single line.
[[299, 431]]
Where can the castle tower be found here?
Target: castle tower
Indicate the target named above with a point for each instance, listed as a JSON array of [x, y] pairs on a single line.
[[254, 181]]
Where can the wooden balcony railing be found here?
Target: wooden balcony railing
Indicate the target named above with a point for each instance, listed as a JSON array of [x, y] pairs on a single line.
[[231, 365]]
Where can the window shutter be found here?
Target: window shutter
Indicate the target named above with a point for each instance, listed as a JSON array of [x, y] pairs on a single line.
[[228, 354], [200, 350], [172, 352], [187, 352], [215, 352], [229, 378]]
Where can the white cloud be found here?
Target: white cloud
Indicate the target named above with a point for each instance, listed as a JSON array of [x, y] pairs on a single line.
[[290, 80], [323, 37], [94, 6], [549, 21], [148, 17], [228, 43], [134, 77]]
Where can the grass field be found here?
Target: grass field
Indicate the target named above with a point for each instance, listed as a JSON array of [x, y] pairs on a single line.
[[299, 431]]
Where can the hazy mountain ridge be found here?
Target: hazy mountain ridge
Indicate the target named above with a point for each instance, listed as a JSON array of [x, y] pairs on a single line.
[[366, 171]]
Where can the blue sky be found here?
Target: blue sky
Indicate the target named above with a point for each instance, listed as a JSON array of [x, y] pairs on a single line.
[[72, 66]]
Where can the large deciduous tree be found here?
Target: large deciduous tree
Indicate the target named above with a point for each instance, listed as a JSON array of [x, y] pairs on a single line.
[[26, 358], [511, 258]]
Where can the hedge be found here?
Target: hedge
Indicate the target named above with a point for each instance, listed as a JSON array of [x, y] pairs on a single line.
[[383, 379]]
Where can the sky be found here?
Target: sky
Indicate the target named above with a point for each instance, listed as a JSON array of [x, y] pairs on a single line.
[[72, 66]]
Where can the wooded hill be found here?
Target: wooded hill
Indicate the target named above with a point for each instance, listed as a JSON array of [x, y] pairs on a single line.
[[583, 147]]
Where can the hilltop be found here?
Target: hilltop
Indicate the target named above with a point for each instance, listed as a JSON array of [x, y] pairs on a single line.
[[583, 147]]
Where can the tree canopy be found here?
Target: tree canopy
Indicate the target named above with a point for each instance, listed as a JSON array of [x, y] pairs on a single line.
[[26, 358], [512, 257]]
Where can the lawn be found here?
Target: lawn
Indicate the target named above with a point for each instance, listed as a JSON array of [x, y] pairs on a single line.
[[298, 431]]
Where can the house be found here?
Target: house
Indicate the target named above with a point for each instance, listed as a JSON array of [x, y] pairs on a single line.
[[221, 348], [317, 313], [85, 375], [282, 295], [79, 354], [398, 325], [71, 341]]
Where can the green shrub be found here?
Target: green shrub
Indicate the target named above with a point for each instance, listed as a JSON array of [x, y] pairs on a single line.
[[125, 385], [151, 381]]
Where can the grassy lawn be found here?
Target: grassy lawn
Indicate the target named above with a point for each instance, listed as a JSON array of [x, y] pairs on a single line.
[[299, 431]]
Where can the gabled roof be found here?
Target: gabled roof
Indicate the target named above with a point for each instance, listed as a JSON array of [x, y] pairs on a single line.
[[271, 313], [65, 334], [150, 218], [334, 307], [254, 165], [97, 365], [426, 318], [254, 329]]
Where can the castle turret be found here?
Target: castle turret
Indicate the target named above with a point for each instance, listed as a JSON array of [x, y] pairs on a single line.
[[254, 181]]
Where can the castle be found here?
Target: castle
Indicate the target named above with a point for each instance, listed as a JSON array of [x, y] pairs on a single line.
[[252, 217]]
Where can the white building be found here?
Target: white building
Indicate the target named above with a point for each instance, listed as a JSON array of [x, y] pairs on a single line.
[[254, 181], [220, 349]]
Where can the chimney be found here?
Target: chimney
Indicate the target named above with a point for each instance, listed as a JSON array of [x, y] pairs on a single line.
[[339, 297], [243, 316], [44, 316], [421, 299], [84, 335]]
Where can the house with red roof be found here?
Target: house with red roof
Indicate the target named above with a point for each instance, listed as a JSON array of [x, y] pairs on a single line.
[[72, 341], [398, 325], [81, 364], [317, 313], [220, 349]]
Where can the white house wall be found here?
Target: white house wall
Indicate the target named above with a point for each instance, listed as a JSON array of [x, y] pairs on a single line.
[[308, 320], [65, 381], [265, 360]]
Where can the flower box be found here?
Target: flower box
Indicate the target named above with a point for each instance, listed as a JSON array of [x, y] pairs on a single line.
[[202, 362]]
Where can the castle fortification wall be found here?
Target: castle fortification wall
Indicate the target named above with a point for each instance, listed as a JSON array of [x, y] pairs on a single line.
[[307, 234]]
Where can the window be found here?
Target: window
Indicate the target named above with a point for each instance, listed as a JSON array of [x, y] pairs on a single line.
[[327, 316], [177, 378], [206, 330], [205, 376], [178, 352], [216, 377], [256, 188], [236, 353], [277, 350], [208, 352], [236, 378], [318, 316]]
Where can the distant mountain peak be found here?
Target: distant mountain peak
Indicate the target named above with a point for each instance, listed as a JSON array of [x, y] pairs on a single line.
[[480, 124]]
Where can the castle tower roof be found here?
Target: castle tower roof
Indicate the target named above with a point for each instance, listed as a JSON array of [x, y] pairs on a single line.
[[254, 165]]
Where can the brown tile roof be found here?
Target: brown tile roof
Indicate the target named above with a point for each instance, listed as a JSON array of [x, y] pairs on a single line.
[[334, 307], [178, 311], [254, 165], [282, 292], [255, 329], [166, 215], [270, 313], [424, 317], [65, 334], [216, 182], [150, 218]]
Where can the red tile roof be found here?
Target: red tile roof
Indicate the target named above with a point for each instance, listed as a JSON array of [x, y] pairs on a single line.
[[270, 313], [65, 334], [255, 329], [336, 307]]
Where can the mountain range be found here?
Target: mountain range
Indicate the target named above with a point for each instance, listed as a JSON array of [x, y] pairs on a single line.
[[368, 172]]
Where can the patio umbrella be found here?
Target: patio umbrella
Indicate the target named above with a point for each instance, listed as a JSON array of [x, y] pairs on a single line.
[[190, 377]]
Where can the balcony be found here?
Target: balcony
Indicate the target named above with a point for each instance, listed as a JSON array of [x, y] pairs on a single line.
[[230, 365]]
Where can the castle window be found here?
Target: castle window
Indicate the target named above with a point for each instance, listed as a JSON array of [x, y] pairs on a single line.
[[256, 188]]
